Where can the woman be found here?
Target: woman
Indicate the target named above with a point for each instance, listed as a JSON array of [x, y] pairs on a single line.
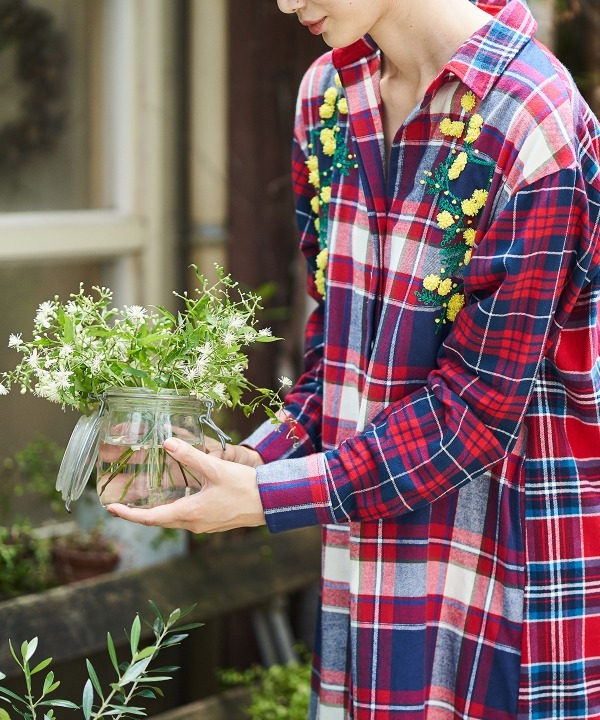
[[448, 418]]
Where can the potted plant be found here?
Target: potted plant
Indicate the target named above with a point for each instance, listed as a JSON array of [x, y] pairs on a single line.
[[73, 555], [79, 555], [147, 365]]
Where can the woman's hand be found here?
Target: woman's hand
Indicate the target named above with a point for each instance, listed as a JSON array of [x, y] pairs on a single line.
[[233, 453], [229, 497]]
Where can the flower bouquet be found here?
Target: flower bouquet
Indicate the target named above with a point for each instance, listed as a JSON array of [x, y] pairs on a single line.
[[139, 376]]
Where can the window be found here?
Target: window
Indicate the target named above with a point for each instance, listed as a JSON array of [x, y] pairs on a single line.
[[95, 201]]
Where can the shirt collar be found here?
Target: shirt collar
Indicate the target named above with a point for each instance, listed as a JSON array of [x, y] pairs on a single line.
[[482, 59]]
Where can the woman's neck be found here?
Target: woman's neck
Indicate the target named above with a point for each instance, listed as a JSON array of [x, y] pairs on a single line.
[[414, 47]]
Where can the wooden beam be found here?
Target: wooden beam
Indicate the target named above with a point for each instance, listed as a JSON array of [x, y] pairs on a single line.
[[229, 705], [72, 621]]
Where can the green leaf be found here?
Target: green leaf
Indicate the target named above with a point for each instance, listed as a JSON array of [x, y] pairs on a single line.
[[145, 652], [48, 683], [88, 700], [136, 629], [126, 710], [134, 671], [60, 703], [2, 676], [174, 616], [112, 652], [158, 627], [31, 647], [173, 640], [9, 694], [132, 371], [94, 678], [4, 715], [157, 612], [163, 311], [189, 626], [187, 611], [149, 339], [44, 664]]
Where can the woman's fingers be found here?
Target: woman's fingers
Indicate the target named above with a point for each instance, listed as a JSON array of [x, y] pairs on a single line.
[[229, 497], [234, 453]]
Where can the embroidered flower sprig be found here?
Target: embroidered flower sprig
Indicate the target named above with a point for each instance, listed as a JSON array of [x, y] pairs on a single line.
[[329, 153], [457, 215]]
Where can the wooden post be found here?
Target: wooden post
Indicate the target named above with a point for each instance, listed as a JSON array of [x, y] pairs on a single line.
[[269, 52]]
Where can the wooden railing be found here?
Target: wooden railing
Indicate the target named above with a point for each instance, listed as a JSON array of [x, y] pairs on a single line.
[[71, 622]]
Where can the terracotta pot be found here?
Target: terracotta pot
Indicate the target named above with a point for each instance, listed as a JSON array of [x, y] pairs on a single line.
[[72, 564]]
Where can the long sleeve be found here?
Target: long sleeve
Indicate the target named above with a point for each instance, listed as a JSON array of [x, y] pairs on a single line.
[[522, 283]]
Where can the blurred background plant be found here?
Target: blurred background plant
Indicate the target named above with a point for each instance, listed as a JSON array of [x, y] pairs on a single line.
[[25, 561], [278, 692], [31, 471]]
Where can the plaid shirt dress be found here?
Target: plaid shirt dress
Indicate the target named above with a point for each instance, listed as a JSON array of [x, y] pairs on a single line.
[[448, 417]]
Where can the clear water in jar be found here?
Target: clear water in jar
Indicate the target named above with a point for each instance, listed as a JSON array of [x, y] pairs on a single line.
[[143, 474]]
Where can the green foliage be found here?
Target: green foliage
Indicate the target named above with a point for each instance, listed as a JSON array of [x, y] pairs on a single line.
[[84, 347], [34, 469], [135, 680], [25, 561], [279, 692]]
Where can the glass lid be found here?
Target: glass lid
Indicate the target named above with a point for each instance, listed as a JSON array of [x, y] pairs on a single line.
[[79, 458]]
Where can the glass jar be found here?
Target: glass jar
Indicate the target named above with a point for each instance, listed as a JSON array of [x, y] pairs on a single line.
[[132, 467]]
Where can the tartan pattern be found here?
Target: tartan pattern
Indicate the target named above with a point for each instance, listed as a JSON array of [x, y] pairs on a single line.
[[456, 474]]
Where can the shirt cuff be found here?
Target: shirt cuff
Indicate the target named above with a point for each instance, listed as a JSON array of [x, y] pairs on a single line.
[[279, 441], [294, 493]]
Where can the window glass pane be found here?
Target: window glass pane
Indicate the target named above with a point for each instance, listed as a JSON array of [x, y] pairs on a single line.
[[50, 154]]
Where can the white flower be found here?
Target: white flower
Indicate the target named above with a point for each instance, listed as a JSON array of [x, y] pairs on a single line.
[[265, 332], [15, 341], [95, 364], [220, 390], [3, 389], [200, 365], [70, 308], [33, 360], [206, 350], [190, 372], [45, 315], [47, 387], [228, 338], [66, 350], [136, 313], [61, 378], [237, 322], [285, 381]]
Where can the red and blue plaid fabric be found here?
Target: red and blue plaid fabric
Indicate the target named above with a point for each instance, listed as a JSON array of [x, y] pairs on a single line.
[[454, 466]]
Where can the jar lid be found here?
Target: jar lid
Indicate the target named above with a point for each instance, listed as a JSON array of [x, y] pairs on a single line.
[[79, 458]]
